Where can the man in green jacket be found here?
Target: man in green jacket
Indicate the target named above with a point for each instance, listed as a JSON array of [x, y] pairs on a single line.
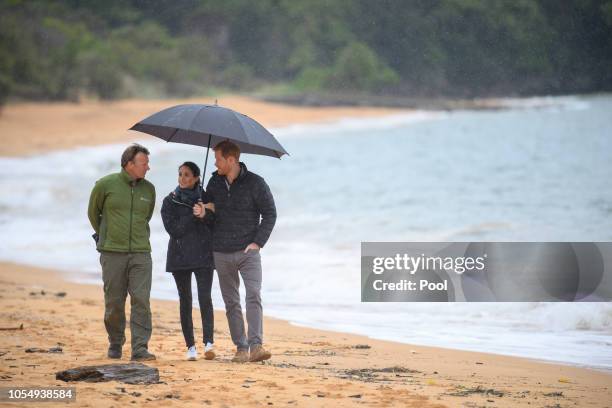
[[120, 208]]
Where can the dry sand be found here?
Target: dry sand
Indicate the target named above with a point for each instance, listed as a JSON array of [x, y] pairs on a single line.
[[30, 128], [309, 368]]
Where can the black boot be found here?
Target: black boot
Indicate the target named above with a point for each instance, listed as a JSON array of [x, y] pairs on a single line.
[[143, 355], [114, 351]]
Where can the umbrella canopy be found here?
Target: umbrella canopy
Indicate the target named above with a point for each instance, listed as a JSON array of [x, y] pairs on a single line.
[[207, 125]]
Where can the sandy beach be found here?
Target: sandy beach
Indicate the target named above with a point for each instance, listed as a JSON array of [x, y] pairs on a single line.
[[30, 128], [309, 367], [42, 309]]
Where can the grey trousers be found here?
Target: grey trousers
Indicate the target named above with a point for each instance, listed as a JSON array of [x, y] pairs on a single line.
[[125, 273], [228, 266]]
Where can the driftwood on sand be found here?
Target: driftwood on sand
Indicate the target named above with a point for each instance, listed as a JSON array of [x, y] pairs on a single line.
[[133, 373]]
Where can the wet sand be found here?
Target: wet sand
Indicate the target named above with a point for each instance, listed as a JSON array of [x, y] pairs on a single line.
[[309, 368]]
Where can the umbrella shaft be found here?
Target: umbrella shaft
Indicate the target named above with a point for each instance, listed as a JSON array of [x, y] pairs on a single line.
[[205, 163]]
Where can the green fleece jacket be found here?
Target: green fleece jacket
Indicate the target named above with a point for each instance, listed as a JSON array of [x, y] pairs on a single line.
[[119, 211]]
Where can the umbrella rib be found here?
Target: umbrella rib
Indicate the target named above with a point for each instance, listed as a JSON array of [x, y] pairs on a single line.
[[193, 120], [277, 153], [173, 133], [246, 134]]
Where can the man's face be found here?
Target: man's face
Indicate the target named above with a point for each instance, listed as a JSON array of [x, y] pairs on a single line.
[[223, 164], [138, 167]]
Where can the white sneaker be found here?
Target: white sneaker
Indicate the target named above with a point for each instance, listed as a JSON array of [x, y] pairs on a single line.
[[209, 353], [192, 354]]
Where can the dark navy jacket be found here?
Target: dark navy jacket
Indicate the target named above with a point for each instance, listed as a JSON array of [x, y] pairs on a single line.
[[244, 211], [190, 244]]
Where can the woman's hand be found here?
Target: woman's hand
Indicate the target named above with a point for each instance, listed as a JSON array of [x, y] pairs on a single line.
[[198, 210]]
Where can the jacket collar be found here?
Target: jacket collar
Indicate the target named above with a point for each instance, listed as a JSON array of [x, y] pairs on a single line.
[[125, 176], [241, 175], [243, 172]]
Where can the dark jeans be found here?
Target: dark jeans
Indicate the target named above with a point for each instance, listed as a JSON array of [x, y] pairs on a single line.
[[204, 278]]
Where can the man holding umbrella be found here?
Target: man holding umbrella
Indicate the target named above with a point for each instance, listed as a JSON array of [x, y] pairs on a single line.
[[245, 215], [245, 211]]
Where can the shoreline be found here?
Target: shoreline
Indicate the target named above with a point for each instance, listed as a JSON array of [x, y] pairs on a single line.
[[422, 103], [85, 279], [308, 366], [63, 125]]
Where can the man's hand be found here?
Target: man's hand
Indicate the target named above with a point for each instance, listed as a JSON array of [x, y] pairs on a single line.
[[198, 210], [252, 246], [210, 206]]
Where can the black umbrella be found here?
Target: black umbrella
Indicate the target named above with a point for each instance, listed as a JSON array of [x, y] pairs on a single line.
[[207, 125]]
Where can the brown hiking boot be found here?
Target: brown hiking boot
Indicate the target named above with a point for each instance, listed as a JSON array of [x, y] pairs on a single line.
[[241, 356], [258, 353]]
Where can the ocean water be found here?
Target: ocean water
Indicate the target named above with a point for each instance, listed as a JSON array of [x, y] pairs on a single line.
[[537, 171]]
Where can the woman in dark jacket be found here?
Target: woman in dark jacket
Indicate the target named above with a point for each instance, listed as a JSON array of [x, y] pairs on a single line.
[[190, 250]]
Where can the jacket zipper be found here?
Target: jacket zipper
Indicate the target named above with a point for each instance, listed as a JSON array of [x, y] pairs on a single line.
[[131, 210]]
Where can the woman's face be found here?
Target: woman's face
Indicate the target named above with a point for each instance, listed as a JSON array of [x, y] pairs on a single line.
[[186, 179]]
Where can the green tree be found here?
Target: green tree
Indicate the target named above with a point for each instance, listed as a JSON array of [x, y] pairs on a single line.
[[359, 68], [65, 48]]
